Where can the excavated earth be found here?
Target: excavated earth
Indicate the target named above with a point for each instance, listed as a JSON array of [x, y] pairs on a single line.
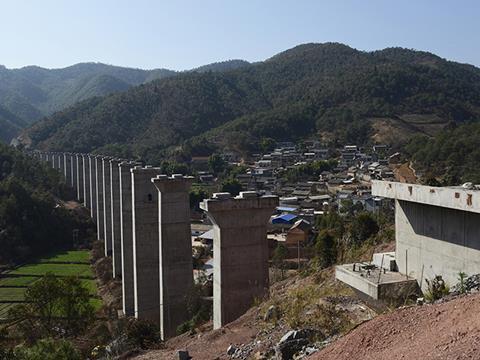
[[449, 330]]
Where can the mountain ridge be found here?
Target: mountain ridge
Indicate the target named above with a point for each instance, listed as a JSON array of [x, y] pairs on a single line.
[[33, 92], [309, 90]]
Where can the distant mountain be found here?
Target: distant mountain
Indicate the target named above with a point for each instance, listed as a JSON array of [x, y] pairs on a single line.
[[33, 92], [326, 91], [222, 66], [10, 125]]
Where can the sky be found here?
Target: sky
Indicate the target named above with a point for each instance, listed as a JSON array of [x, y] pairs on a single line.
[[183, 34]]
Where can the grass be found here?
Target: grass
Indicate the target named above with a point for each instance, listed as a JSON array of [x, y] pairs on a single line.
[[65, 263], [91, 285], [57, 269], [97, 303], [12, 294], [4, 309], [18, 281], [79, 256]]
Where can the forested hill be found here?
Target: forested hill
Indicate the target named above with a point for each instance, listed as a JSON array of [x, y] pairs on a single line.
[[32, 92], [31, 223], [313, 90]]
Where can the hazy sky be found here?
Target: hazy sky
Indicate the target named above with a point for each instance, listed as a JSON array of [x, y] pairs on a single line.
[[179, 34]]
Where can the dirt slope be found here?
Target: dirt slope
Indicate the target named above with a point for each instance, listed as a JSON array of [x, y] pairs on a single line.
[[442, 331]]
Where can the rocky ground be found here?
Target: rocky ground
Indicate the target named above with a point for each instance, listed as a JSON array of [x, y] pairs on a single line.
[[266, 330], [448, 330]]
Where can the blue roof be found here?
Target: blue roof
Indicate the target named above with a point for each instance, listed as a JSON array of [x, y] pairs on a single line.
[[284, 219], [285, 208]]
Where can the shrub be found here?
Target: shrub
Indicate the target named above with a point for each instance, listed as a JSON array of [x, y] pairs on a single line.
[[436, 288]]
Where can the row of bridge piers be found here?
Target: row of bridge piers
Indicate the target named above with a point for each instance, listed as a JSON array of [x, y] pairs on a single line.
[[143, 219]]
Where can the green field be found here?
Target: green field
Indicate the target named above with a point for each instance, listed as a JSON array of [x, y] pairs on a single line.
[[18, 281], [66, 263], [57, 269], [68, 256]]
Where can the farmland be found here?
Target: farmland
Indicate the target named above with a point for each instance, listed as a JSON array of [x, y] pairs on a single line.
[[14, 283]]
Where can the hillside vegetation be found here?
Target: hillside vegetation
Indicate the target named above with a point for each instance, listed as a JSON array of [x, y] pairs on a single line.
[[32, 92], [31, 223], [451, 158], [313, 90]]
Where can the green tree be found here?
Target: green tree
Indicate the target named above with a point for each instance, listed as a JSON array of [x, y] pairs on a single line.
[[363, 227], [267, 144], [53, 306], [325, 249], [233, 186], [216, 163], [48, 349], [280, 254], [74, 305], [196, 196]]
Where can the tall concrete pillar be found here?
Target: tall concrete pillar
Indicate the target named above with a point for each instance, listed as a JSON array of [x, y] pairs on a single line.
[[80, 187], [93, 187], [86, 182], [107, 204], [240, 252], [126, 236], [73, 171], [175, 251], [99, 196], [115, 218], [61, 164], [67, 158], [53, 159], [145, 244]]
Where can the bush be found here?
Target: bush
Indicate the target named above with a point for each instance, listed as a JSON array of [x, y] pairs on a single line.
[[53, 306], [143, 334], [48, 349], [436, 288]]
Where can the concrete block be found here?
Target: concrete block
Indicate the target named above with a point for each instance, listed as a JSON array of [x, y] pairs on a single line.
[[80, 185], [145, 228], [175, 251], [126, 236], [115, 218], [99, 197], [92, 173], [86, 181], [240, 252], [107, 211]]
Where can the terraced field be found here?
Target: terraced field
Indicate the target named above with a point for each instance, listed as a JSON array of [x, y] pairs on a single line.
[[14, 283]]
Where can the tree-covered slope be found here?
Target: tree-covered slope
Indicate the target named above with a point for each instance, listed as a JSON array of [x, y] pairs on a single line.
[[310, 90], [10, 125], [33, 92], [451, 158], [31, 223]]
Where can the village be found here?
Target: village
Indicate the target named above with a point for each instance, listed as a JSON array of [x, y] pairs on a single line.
[[309, 180]]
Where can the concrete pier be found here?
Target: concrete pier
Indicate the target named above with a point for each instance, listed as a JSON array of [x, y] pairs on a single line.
[[126, 236], [61, 165], [67, 167], [436, 228], [145, 244], [107, 204], [86, 181], [175, 251], [53, 160], [115, 218], [99, 197], [80, 187], [92, 169], [240, 252], [59, 162], [73, 174]]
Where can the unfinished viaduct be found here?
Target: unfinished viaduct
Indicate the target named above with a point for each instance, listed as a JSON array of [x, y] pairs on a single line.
[[143, 219]]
